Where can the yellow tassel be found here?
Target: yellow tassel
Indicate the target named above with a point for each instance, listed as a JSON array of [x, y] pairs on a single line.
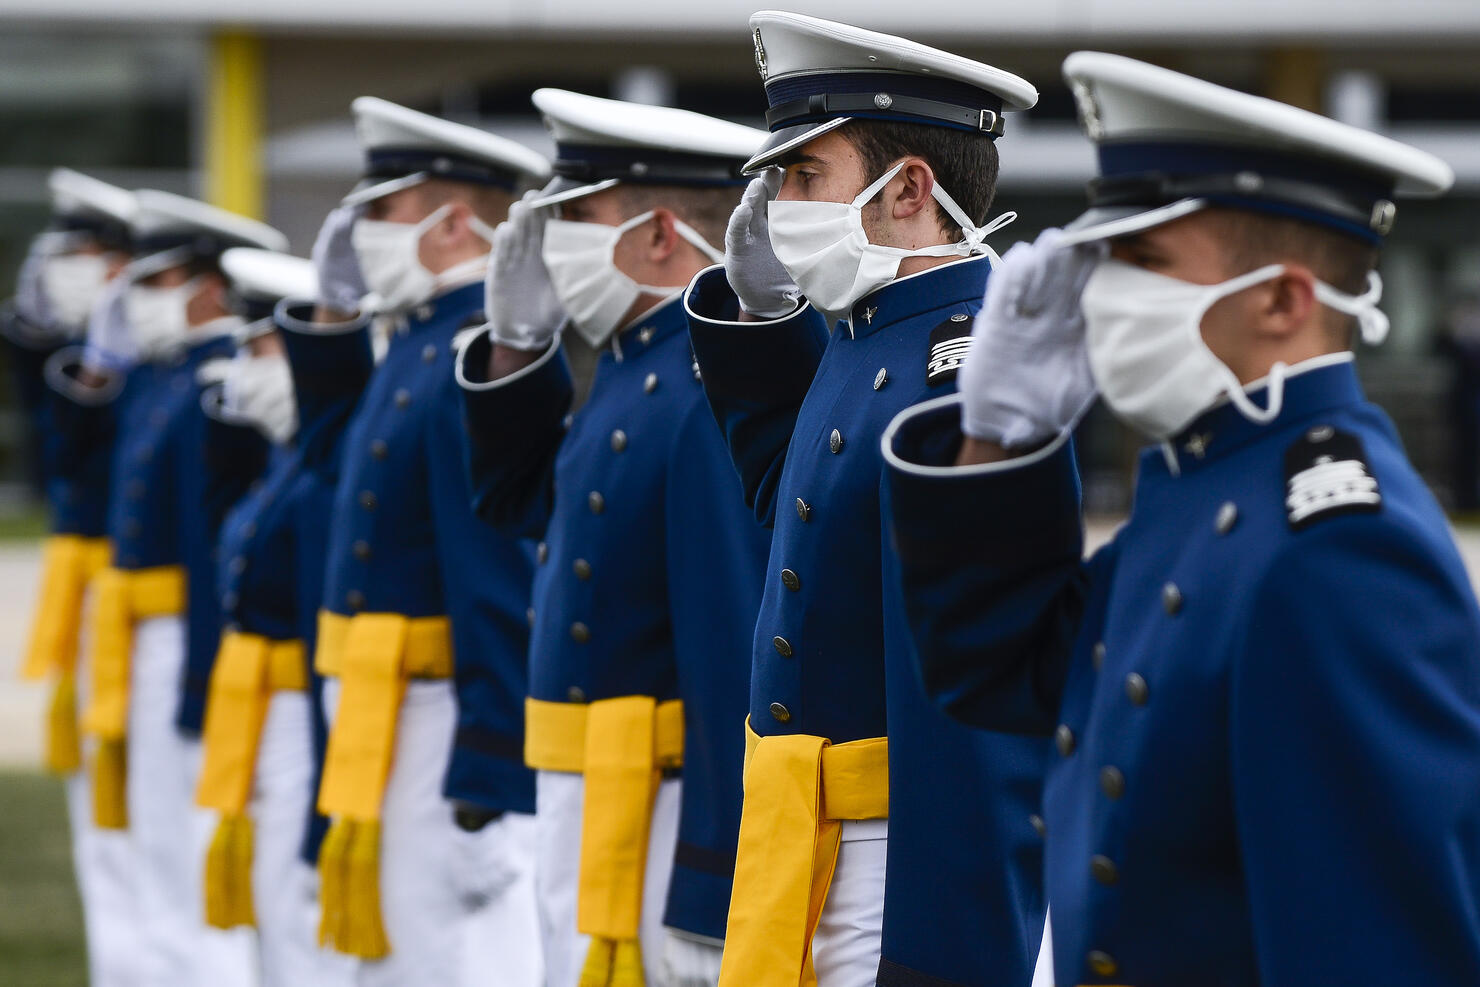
[[612, 963], [228, 888], [349, 865], [110, 776], [63, 744]]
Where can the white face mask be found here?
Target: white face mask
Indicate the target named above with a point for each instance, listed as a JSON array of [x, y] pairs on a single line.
[[72, 283], [824, 248], [1146, 350], [593, 290], [390, 259], [156, 317]]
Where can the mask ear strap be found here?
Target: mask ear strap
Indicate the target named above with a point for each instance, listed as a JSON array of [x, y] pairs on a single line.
[[867, 195], [1372, 320], [697, 240], [1271, 410]]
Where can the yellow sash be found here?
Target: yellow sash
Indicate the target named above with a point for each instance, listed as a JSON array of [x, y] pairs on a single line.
[[373, 655], [622, 746], [248, 670], [124, 597], [69, 563], [798, 789]]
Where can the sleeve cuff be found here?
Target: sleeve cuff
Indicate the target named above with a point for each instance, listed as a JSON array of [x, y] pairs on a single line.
[[61, 376]]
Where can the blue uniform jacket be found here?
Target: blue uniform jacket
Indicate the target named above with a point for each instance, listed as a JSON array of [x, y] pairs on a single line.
[[403, 539], [330, 370], [170, 489], [27, 349], [1266, 692], [651, 569], [803, 413]]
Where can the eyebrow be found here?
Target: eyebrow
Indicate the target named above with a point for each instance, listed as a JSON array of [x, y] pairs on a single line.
[[796, 158]]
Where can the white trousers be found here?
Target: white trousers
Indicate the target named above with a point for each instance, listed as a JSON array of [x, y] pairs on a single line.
[[559, 796], [284, 886], [850, 932], [170, 834], [690, 960], [107, 884], [459, 908]]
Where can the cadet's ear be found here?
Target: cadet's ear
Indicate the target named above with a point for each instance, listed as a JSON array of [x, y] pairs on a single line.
[[1287, 303], [454, 223], [664, 238], [910, 189]]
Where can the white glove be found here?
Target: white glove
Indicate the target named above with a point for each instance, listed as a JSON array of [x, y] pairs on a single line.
[[690, 962], [764, 288], [31, 301], [341, 282], [110, 345], [1026, 376], [523, 310], [257, 390]]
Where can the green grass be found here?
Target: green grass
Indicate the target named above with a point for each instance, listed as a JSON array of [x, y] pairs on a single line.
[[41, 939], [26, 524]]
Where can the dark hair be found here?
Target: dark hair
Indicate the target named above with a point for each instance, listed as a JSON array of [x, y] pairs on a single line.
[[1253, 240], [964, 162]]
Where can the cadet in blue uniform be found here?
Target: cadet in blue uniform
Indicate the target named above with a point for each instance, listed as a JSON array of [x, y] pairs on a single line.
[[1264, 690], [156, 621], [260, 769], [428, 868], [651, 566], [875, 223], [67, 270]]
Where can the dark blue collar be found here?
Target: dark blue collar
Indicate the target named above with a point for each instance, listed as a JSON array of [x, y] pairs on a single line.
[[1222, 431], [655, 325], [453, 304], [964, 281]]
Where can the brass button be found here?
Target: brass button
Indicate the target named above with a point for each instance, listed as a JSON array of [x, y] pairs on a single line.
[[379, 449], [791, 580], [428, 353], [542, 553], [1112, 782], [1227, 517], [237, 565], [1098, 655], [1039, 826], [403, 398], [835, 442], [355, 600], [782, 646], [803, 510], [1064, 740], [619, 440], [780, 712], [645, 335], [650, 383], [1102, 869], [1101, 963], [529, 616], [596, 502], [361, 550], [1171, 599], [567, 422], [881, 378], [1136, 689], [582, 569], [575, 694], [368, 500], [580, 633]]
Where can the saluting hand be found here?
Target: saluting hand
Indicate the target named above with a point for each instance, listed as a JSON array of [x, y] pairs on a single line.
[[341, 282], [1026, 377], [764, 288], [519, 299]]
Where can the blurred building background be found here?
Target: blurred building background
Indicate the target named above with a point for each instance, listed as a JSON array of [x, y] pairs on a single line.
[[246, 103]]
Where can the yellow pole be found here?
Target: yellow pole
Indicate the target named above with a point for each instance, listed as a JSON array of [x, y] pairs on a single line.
[[234, 111]]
